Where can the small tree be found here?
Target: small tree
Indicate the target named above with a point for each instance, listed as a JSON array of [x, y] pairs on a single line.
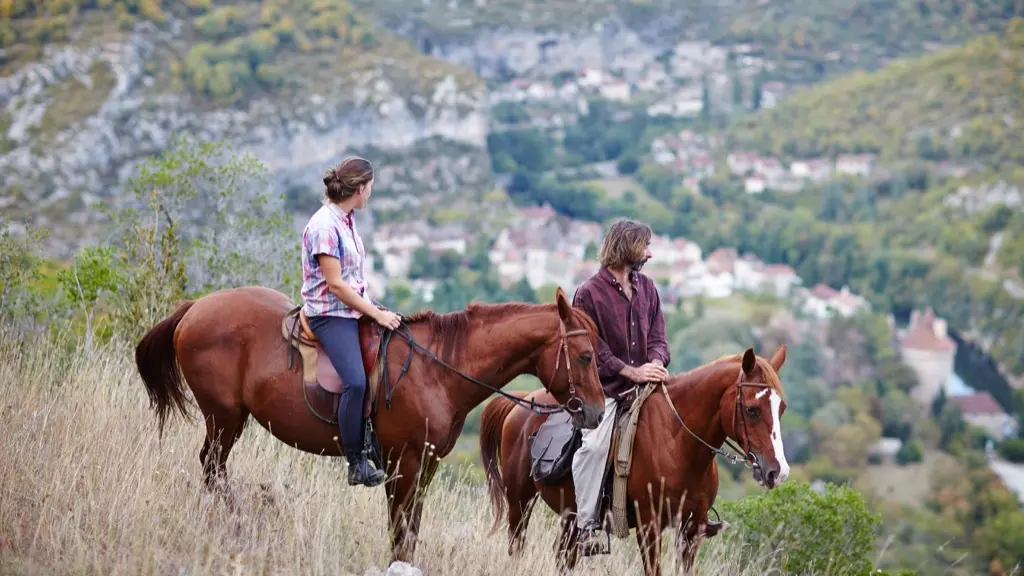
[[203, 220], [91, 275]]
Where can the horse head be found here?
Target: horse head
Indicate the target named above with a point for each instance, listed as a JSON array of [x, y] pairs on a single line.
[[567, 365], [752, 415]]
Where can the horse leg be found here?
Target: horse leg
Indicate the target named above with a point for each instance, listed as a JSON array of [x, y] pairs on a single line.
[[223, 428], [405, 502], [688, 542], [568, 552], [648, 539], [521, 500]]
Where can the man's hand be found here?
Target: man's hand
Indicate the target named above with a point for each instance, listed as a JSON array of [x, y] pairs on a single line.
[[650, 372]]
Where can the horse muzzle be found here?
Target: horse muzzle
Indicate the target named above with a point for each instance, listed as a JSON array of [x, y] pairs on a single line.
[[587, 417], [767, 476]]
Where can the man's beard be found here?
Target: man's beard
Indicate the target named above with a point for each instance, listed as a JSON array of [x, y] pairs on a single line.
[[638, 265]]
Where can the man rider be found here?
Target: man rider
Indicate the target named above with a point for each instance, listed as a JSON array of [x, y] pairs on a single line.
[[632, 350]]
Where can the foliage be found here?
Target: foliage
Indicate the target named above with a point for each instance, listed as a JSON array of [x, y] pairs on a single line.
[[830, 532], [911, 452], [947, 105], [20, 264], [1012, 449], [231, 50], [201, 222]]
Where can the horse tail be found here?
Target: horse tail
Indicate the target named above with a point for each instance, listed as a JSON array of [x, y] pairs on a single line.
[[157, 363], [491, 423]]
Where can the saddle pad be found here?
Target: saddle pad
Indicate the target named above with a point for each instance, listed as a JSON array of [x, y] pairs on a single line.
[[326, 375], [552, 447]]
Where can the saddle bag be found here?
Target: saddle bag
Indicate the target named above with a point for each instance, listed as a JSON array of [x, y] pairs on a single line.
[[552, 447]]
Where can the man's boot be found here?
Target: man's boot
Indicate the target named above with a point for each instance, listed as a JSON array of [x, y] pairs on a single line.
[[360, 471], [590, 542]]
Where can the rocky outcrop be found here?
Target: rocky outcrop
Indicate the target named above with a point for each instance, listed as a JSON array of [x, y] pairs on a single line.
[[297, 138]]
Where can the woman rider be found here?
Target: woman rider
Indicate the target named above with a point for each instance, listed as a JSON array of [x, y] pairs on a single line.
[[334, 298]]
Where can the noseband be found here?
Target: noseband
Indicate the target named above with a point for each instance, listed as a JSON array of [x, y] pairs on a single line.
[[745, 456]]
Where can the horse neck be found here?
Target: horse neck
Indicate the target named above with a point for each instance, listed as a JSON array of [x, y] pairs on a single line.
[[697, 396], [499, 345]]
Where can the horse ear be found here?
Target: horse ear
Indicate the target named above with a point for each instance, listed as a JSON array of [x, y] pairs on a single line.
[[749, 361], [779, 358], [564, 306]]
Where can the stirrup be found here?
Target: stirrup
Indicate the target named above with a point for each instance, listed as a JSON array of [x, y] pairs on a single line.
[[590, 542]]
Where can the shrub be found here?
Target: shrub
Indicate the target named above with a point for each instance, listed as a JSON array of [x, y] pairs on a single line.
[[909, 453], [830, 532], [1012, 450]]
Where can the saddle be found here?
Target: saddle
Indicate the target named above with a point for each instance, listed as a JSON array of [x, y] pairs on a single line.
[[321, 385], [556, 441]]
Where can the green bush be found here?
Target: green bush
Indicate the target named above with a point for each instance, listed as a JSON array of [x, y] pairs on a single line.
[[1012, 450], [910, 453], [828, 533]]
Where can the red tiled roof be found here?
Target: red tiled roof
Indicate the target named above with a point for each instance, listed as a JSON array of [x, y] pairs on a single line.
[[921, 335], [824, 292], [977, 403]]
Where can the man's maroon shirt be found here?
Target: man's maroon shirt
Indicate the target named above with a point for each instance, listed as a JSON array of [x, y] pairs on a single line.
[[632, 332]]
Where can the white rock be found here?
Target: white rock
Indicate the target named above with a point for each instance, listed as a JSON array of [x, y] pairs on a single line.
[[403, 569]]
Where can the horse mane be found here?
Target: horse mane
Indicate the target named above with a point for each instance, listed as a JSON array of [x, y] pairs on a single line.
[[771, 377], [451, 329]]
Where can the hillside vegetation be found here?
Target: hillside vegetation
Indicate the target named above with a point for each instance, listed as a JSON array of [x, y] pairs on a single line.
[[962, 104], [225, 51], [817, 38]]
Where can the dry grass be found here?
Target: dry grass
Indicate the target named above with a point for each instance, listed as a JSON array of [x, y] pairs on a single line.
[[88, 488]]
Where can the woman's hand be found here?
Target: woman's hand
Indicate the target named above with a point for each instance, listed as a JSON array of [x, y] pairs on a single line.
[[387, 318]]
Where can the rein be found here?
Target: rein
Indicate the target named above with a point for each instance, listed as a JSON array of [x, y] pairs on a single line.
[[539, 408], [746, 457]]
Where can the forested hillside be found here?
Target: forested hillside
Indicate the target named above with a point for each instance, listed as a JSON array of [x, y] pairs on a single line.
[[961, 104], [915, 233]]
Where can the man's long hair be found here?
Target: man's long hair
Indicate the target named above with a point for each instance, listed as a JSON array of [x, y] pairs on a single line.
[[625, 244]]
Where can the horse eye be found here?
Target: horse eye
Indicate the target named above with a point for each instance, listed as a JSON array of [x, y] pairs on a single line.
[[752, 411], [586, 358]]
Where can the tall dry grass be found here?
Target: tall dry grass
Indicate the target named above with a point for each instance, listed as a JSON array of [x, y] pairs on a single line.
[[86, 487]]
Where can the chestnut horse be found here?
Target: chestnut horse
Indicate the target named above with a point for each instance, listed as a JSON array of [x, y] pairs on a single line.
[[674, 475], [230, 350]]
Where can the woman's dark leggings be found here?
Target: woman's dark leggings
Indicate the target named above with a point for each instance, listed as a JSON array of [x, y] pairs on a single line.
[[340, 338]]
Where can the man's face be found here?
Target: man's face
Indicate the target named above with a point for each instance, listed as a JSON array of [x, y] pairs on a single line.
[[637, 266]]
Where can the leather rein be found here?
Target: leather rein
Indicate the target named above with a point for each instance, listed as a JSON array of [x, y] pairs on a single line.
[[745, 456], [540, 408]]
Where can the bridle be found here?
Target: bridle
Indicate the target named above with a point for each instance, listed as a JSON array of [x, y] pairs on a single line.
[[745, 456], [573, 405]]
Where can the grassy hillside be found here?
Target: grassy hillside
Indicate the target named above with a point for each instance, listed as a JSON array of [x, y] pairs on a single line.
[[92, 470], [962, 104]]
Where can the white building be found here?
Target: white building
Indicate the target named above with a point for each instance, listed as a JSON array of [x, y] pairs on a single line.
[[928, 350]]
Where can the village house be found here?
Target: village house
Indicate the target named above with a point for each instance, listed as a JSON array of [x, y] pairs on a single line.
[[616, 90], [925, 346], [821, 301], [769, 167], [772, 93], [590, 78], [780, 279], [719, 278], [815, 170], [981, 409], [753, 184], [671, 251], [856, 164], [740, 163]]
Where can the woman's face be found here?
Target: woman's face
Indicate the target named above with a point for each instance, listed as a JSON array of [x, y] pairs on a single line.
[[364, 193]]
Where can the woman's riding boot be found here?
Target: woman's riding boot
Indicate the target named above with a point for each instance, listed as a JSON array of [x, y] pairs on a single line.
[[360, 471]]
